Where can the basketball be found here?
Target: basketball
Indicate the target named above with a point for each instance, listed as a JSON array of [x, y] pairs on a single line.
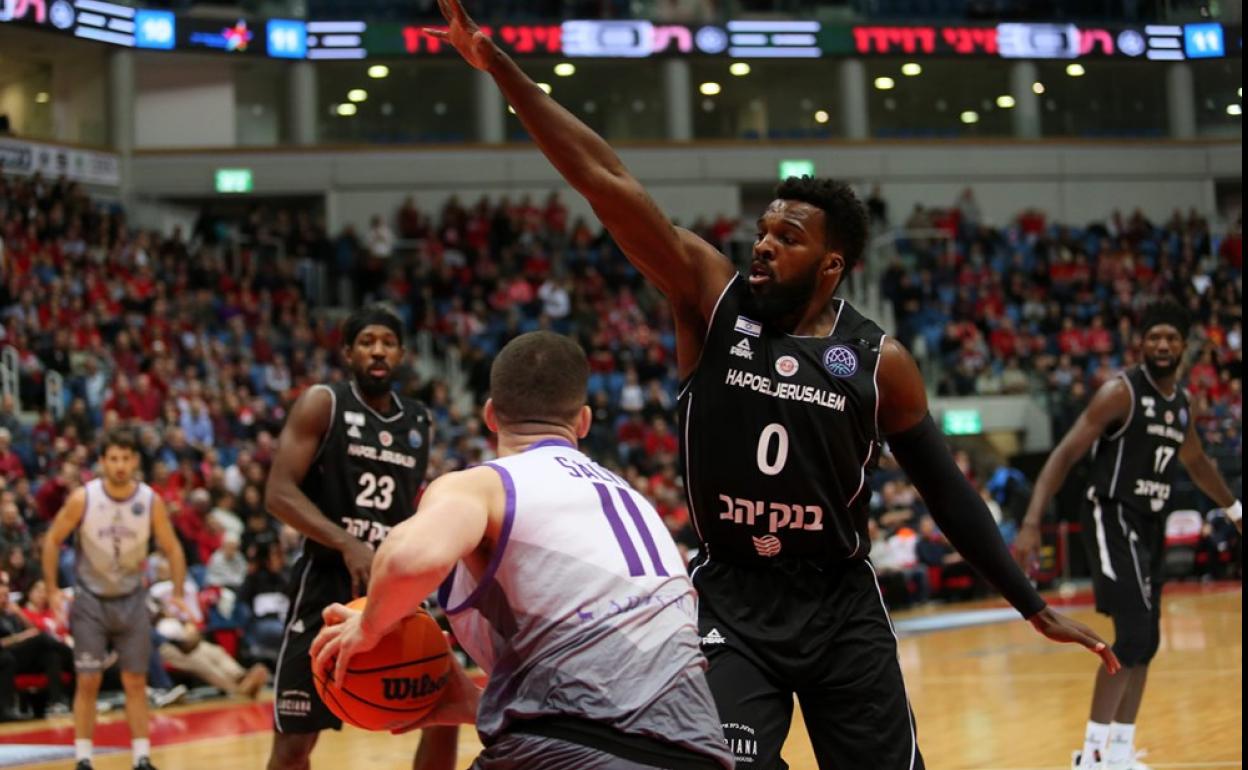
[[395, 683]]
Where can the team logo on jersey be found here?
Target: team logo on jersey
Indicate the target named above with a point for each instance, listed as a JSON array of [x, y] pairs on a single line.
[[786, 366], [415, 439], [294, 703], [840, 361], [742, 350], [1150, 406], [385, 438], [768, 545], [1183, 417], [1169, 417], [137, 509], [746, 326], [356, 421]]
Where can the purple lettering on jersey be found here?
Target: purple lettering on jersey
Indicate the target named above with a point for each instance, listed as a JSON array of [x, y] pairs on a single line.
[[621, 534], [647, 540], [570, 466]]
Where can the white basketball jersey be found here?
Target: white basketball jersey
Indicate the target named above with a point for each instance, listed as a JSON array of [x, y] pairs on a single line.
[[585, 609], [113, 540]]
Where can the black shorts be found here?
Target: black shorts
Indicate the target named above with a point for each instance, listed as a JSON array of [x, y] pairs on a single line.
[[1126, 553], [314, 586], [820, 633]]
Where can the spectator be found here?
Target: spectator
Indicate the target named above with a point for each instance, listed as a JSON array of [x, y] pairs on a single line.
[[25, 649], [227, 567], [10, 464]]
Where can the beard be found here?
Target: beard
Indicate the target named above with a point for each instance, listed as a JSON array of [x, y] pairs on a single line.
[[1157, 371], [774, 301], [374, 386]]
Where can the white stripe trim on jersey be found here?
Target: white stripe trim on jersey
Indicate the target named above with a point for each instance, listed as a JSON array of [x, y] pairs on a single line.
[[355, 392], [1102, 545], [1130, 414], [706, 338], [914, 744], [839, 309], [875, 383], [1139, 576], [333, 415], [693, 512], [1157, 387], [281, 653], [1113, 482]]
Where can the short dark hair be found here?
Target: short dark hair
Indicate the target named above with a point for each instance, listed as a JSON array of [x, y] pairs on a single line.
[[122, 438], [1166, 311], [539, 377], [844, 214], [370, 315]]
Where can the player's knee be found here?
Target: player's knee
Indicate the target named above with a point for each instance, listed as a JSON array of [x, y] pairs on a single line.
[[88, 682], [291, 750]]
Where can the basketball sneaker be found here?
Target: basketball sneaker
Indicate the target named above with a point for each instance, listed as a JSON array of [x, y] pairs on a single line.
[[144, 764], [1077, 762], [83, 764], [1133, 763]]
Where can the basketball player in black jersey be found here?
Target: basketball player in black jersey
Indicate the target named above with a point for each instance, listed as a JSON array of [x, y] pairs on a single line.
[[1136, 425], [789, 395], [350, 463]]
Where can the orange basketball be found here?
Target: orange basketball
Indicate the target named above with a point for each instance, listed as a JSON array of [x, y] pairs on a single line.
[[395, 683]]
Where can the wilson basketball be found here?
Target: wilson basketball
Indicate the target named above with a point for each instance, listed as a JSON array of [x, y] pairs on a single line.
[[395, 683]]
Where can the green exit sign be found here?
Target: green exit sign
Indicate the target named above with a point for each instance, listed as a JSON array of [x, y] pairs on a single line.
[[234, 180], [790, 168], [962, 422]]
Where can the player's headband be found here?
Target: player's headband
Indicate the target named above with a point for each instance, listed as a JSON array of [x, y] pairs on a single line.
[[372, 316]]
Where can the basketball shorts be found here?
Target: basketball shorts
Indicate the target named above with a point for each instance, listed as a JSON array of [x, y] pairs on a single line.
[[122, 622], [1126, 552], [821, 633], [314, 586]]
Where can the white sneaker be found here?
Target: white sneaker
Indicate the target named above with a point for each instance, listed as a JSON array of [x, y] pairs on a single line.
[[1133, 763], [162, 698], [1076, 762]]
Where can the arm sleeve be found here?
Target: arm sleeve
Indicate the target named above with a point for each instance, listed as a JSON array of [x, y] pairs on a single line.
[[960, 513]]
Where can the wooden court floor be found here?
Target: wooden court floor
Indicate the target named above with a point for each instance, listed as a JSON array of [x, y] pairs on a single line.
[[994, 697]]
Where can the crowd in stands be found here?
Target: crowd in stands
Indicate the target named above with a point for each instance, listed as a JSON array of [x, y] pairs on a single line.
[[203, 345]]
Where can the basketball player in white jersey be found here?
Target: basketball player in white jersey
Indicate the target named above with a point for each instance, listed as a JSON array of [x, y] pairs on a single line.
[[560, 580], [116, 517]]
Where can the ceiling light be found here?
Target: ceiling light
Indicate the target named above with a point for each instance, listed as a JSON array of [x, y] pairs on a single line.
[[545, 87], [378, 71], [1005, 101], [1234, 109], [822, 116], [1037, 87], [970, 116], [739, 68], [42, 97], [1075, 70], [346, 110], [709, 89], [910, 69], [884, 83], [357, 94], [565, 69]]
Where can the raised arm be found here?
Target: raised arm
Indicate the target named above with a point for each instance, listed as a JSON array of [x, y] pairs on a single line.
[[688, 270], [958, 510], [1205, 473], [66, 521], [296, 449], [1110, 407]]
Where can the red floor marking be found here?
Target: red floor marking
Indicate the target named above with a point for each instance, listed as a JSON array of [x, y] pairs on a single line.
[[166, 728]]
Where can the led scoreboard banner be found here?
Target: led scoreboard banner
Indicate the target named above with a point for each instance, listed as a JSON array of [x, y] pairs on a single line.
[[122, 25]]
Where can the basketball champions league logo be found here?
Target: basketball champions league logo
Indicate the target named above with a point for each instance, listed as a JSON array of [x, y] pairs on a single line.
[[840, 361]]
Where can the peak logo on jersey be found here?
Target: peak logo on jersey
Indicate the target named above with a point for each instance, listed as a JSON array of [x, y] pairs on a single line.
[[1150, 406], [414, 438], [404, 687], [353, 418], [742, 350], [786, 366], [385, 438], [748, 327], [768, 545], [840, 361], [714, 637]]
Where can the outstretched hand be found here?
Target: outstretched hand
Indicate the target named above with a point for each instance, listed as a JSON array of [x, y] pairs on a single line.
[[1060, 628], [463, 33]]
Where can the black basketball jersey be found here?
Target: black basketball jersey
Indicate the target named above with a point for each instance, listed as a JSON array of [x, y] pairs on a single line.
[[779, 435], [1134, 464], [369, 467]]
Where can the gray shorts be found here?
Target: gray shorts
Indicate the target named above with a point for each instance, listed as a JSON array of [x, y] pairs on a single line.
[[517, 751], [124, 622]]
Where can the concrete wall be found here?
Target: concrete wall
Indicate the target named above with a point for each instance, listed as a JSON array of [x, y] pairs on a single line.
[[184, 102]]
